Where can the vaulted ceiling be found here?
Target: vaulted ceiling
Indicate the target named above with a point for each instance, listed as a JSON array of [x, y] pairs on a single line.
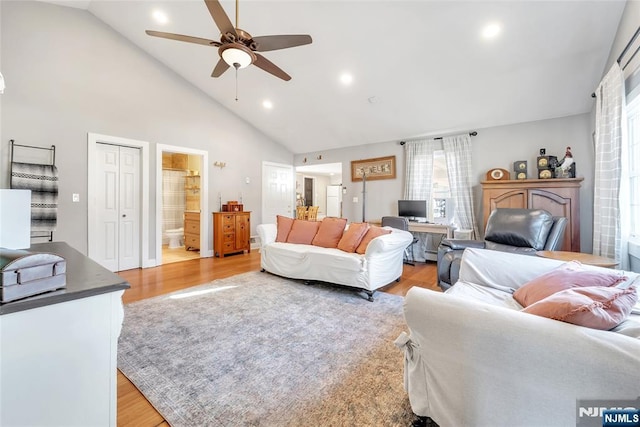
[[418, 67]]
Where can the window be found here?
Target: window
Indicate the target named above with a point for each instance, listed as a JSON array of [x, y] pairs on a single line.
[[632, 162], [441, 204]]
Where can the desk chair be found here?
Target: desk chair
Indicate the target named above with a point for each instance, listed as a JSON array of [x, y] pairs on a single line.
[[401, 223]]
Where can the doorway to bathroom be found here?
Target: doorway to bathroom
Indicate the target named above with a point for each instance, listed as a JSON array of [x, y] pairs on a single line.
[[181, 200]]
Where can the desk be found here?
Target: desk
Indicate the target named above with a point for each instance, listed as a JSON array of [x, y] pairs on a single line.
[[423, 227], [578, 256], [428, 244]]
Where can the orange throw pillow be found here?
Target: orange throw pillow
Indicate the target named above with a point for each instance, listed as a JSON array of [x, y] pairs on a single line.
[[566, 276], [303, 232], [330, 232], [284, 227], [594, 307], [353, 236], [372, 233]]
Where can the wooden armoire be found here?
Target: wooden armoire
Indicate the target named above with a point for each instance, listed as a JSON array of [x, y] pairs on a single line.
[[560, 197]]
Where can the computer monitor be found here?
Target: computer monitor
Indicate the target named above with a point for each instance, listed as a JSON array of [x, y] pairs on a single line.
[[413, 209]]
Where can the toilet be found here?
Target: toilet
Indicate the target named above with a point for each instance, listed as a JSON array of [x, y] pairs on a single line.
[[175, 236]]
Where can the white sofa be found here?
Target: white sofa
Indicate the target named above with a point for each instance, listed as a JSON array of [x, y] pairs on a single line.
[[473, 359], [378, 266]]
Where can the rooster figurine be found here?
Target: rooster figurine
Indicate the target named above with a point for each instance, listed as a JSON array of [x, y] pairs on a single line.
[[567, 162]]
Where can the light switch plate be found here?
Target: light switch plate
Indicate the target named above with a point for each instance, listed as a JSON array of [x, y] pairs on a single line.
[[355, 199], [76, 197]]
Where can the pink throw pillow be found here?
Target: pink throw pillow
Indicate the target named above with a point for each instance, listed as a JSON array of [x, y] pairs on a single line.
[[353, 236], [330, 232], [595, 307], [372, 233], [303, 232], [566, 276], [284, 227]]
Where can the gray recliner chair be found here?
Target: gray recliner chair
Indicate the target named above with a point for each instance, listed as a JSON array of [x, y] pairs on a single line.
[[523, 231]]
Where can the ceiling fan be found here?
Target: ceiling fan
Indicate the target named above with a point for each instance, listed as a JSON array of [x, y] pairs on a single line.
[[237, 48]]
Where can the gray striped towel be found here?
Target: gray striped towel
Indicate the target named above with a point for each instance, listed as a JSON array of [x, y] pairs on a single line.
[[42, 180]]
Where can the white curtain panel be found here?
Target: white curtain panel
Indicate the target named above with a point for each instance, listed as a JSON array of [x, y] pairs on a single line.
[[419, 169], [457, 151], [173, 199], [610, 134]]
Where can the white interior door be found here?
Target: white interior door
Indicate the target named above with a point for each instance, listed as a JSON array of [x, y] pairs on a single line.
[[117, 173], [333, 200], [277, 191], [129, 199]]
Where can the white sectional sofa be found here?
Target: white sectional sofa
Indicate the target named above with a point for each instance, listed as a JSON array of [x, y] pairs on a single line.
[[378, 266], [472, 358]]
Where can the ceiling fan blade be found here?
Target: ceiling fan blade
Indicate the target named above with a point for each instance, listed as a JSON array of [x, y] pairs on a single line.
[[270, 67], [221, 67], [183, 38], [267, 43], [220, 17]]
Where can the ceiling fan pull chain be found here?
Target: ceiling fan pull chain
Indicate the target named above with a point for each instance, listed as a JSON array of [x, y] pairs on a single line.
[[236, 83]]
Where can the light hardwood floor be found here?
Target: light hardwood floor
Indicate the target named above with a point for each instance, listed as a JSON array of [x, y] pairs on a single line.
[[133, 407]]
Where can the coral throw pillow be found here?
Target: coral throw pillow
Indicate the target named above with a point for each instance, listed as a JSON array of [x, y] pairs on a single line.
[[284, 227], [303, 231], [566, 276], [595, 307], [330, 232], [353, 236], [372, 233]]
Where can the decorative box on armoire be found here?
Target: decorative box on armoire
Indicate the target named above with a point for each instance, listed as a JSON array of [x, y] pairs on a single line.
[[231, 232], [558, 196]]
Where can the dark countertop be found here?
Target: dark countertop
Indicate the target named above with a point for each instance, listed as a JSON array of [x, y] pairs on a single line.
[[85, 278]]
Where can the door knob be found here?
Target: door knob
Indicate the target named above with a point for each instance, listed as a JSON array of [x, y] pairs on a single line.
[[124, 215]]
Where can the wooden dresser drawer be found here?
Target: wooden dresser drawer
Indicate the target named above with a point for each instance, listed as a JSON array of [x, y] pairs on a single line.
[[191, 227], [191, 241], [229, 237], [228, 219]]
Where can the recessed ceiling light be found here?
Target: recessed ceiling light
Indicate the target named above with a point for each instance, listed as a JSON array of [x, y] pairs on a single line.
[[267, 104], [346, 79], [491, 30], [160, 17]]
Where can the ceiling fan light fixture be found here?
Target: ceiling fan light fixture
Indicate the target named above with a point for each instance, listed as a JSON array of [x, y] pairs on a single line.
[[237, 58]]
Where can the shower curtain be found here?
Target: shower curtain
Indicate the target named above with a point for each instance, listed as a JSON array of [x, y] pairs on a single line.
[[173, 200]]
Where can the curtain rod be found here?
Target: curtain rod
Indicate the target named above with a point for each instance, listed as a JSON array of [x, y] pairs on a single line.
[[474, 133], [624, 51]]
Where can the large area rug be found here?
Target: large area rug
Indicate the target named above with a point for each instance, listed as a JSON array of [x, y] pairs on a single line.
[[260, 350]]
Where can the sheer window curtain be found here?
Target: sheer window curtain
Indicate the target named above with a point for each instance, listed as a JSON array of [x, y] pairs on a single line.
[[419, 169], [610, 133], [457, 151], [173, 199]]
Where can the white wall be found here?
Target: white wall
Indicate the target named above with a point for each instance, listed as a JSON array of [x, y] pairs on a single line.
[[627, 27], [382, 195], [70, 74], [492, 147]]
